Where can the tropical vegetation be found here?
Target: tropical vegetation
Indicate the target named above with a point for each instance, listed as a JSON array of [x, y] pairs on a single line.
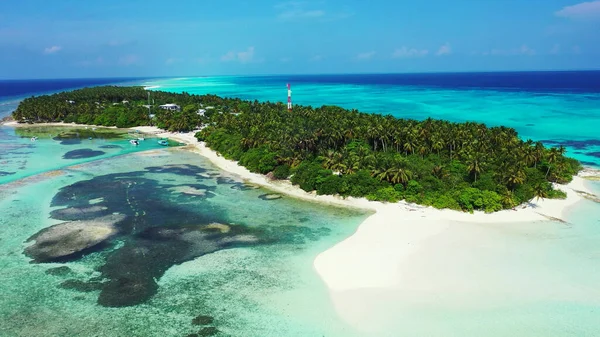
[[331, 150]]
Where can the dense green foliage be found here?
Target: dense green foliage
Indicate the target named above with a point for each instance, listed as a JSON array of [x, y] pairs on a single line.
[[330, 150], [463, 166], [115, 106]]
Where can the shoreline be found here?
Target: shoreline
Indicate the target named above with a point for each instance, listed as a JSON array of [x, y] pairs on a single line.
[[535, 210], [394, 234], [370, 257]]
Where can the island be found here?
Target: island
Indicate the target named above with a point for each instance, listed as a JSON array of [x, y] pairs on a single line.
[[334, 151]]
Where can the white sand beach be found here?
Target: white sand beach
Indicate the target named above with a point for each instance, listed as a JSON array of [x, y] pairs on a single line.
[[407, 256]]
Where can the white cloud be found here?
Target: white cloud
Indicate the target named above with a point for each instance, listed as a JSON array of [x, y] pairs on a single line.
[[365, 56], [246, 56], [129, 60], [241, 56], [230, 56], [444, 50], [584, 10], [294, 10], [523, 50], [412, 52], [52, 50]]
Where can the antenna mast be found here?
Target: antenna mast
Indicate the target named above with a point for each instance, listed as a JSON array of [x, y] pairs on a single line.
[[289, 97]]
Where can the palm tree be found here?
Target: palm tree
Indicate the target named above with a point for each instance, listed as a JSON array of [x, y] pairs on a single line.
[[553, 155], [401, 175], [439, 172], [540, 191], [474, 163], [516, 176], [508, 199]]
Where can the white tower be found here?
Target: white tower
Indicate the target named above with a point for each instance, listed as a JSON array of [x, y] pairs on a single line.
[[289, 97]]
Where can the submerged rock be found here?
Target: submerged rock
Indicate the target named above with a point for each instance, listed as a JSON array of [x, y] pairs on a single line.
[[134, 269], [188, 190], [59, 271], [82, 153], [208, 331], [270, 196], [68, 238], [218, 226], [81, 286], [244, 187], [127, 291], [225, 181], [202, 320], [78, 213], [67, 141]]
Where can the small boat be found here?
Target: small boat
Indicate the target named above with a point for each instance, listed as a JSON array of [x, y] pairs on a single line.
[[134, 142], [34, 138], [163, 142]]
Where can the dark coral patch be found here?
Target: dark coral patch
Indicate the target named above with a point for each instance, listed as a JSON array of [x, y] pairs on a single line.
[[244, 187], [82, 153], [81, 286], [208, 331], [202, 320], [225, 181], [110, 147], [59, 271], [183, 169], [576, 144], [270, 196], [68, 141]]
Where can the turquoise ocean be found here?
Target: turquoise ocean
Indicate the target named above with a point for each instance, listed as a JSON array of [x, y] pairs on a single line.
[[256, 276]]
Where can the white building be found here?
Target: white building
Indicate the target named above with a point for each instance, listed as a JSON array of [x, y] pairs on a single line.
[[201, 112], [173, 107]]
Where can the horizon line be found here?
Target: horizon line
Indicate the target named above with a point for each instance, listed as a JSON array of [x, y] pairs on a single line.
[[307, 74]]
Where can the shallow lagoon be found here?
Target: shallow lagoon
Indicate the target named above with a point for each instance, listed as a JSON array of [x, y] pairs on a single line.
[[256, 289], [56, 148]]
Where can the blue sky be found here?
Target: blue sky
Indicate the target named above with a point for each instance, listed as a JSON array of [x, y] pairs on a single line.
[[74, 38]]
